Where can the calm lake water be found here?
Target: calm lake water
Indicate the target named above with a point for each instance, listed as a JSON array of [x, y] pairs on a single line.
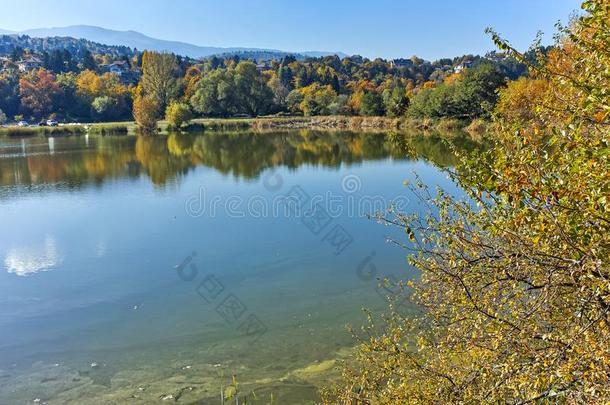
[[162, 269]]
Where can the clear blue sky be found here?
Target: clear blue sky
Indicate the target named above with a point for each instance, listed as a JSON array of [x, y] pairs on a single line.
[[385, 28]]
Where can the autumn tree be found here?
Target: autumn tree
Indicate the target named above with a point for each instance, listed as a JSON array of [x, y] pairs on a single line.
[[514, 289], [317, 99], [358, 89], [159, 77], [177, 114], [518, 102], [112, 96], [38, 92], [146, 111], [191, 78], [89, 85]]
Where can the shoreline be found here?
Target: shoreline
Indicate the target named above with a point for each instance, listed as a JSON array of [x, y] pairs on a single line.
[[326, 123]]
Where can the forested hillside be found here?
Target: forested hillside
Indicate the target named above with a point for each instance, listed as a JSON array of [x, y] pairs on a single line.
[[76, 47], [79, 80]]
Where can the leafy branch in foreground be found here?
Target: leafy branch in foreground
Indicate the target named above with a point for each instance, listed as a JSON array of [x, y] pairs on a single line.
[[515, 281]]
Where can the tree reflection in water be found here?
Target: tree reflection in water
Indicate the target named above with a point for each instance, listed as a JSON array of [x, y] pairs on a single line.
[[78, 161]]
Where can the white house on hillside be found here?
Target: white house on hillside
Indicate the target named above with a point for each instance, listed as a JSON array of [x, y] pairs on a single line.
[[462, 66], [119, 67], [30, 63], [123, 70]]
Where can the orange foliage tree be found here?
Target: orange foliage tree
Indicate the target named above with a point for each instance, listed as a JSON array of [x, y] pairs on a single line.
[[39, 92]]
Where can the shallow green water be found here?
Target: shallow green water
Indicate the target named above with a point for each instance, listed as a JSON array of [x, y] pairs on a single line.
[[153, 270]]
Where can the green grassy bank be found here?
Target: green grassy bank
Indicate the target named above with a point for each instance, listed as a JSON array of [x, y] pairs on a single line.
[[261, 124]]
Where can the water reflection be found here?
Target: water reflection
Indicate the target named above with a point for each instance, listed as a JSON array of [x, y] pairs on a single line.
[[115, 299], [92, 160], [28, 260]]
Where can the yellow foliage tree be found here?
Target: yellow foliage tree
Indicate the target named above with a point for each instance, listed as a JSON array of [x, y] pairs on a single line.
[[519, 101], [452, 78], [146, 111], [515, 281], [430, 84], [178, 114], [159, 77]]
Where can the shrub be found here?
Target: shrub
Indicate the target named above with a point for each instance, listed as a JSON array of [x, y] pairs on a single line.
[[19, 131], [178, 114], [103, 107], [109, 129]]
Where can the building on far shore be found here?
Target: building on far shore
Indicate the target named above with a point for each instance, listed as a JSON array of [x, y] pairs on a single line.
[[118, 68], [462, 66], [263, 65], [398, 63], [123, 70], [29, 63]]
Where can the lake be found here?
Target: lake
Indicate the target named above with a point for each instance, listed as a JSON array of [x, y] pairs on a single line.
[[174, 268]]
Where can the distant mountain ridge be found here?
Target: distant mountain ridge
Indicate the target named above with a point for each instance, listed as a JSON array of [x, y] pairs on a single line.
[[140, 41]]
